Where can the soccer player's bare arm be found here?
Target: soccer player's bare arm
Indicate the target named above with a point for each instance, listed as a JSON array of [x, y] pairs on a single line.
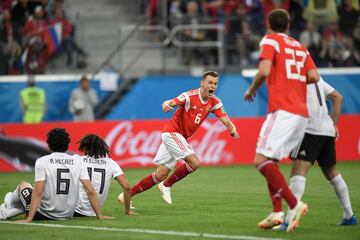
[[337, 100], [230, 126], [260, 77], [168, 105], [94, 201], [35, 200], [121, 179]]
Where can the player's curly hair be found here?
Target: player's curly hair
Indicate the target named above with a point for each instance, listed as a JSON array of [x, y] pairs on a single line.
[[58, 140], [94, 146]]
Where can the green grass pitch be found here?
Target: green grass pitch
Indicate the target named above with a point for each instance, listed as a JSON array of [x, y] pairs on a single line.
[[214, 200]]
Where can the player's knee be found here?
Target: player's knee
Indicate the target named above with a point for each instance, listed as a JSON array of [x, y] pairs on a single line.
[[195, 165], [25, 197], [23, 185], [258, 159], [161, 177]]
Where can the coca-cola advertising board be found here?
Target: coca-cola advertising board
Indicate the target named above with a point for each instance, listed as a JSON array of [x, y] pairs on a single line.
[[135, 143]]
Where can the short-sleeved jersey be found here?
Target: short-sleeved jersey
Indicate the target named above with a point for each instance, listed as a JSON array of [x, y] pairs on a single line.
[[287, 80], [320, 122], [192, 111], [62, 174], [101, 172]]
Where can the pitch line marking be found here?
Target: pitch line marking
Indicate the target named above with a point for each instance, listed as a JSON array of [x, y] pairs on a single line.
[[148, 231]]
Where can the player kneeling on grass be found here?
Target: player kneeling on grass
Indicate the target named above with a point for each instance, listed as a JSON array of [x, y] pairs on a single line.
[[57, 181], [102, 169], [193, 108]]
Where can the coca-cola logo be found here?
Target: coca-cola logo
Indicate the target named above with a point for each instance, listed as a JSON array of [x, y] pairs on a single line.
[[129, 146]]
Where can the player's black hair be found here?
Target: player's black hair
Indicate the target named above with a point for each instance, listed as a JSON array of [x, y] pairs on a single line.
[[94, 146], [279, 20], [210, 73], [83, 78], [58, 140]]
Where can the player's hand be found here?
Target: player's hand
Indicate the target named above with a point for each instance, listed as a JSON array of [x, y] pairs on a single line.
[[235, 135], [166, 106], [23, 221], [106, 217], [249, 95], [337, 135]]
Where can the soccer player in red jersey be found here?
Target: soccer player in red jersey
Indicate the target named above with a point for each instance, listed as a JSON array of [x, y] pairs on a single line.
[[287, 67], [193, 108]]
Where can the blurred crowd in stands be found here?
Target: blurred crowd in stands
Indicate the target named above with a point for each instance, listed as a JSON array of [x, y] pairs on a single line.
[[34, 32], [330, 29]]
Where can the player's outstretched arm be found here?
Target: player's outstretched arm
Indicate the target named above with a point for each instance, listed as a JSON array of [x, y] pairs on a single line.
[[121, 179], [261, 75], [35, 200], [230, 126], [94, 201], [168, 105]]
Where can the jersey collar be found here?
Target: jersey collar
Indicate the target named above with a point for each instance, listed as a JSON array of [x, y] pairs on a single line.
[[201, 100]]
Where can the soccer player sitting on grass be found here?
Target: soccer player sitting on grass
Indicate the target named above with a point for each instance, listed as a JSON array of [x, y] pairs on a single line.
[[193, 108], [102, 169], [57, 180], [318, 145]]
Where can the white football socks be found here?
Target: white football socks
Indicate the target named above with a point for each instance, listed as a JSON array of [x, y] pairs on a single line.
[[342, 193], [12, 212], [297, 186]]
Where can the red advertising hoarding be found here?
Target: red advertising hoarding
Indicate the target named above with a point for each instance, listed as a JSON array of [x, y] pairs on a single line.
[[134, 143]]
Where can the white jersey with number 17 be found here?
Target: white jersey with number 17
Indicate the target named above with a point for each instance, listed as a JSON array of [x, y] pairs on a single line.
[[101, 172], [61, 173]]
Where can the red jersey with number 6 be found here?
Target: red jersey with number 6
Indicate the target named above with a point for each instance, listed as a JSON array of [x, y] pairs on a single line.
[[287, 80], [192, 111]]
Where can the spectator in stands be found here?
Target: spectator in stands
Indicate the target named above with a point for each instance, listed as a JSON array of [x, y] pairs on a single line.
[[297, 21], [334, 46], [32, 102], [83, 101], [176, 12], [348, 17], [254, 10], [321, 13], [33, 41], [242, 35], [356, 41], [194, 56], [69, 46], [19, 15], [311, 39], [11, 46], [5, 5]]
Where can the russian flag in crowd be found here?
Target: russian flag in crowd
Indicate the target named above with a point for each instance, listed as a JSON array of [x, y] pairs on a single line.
[[52, 38]]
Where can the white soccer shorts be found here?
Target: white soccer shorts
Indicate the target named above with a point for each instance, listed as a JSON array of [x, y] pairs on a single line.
[[173, 148], [280, 133]]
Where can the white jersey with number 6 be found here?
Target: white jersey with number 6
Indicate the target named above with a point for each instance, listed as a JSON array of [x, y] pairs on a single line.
[[101, 172], [61, 173]]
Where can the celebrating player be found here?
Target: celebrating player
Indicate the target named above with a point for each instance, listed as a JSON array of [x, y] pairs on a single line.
[[57, 179], [287, 67], [193, 108], [102, 169]]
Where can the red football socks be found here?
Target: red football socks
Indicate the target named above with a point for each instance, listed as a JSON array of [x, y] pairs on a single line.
[[180, 172], [144, 184], [277, 184]]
